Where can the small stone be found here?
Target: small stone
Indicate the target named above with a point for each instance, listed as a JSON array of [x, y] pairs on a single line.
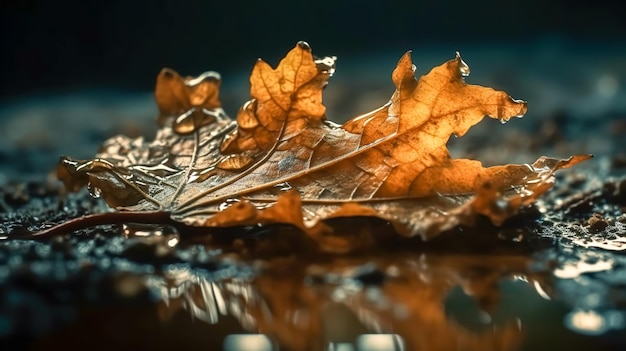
[[597, 223]]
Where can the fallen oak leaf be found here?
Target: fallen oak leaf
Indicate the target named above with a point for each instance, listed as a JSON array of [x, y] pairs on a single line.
[[283, 162]]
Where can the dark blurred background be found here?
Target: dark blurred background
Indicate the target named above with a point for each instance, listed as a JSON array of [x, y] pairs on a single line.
[[70, 44]]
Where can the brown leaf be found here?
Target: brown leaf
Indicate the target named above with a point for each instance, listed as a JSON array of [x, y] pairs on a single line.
[[187, 100], [284, 100], [283, 162]]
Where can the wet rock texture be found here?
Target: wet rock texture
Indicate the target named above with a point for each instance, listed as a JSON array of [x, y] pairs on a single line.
[[552, 277]]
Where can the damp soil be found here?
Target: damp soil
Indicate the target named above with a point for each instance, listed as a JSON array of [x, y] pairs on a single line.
[[552, 277]]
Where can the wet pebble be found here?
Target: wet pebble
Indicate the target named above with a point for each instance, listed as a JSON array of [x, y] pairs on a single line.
[[597, 223]]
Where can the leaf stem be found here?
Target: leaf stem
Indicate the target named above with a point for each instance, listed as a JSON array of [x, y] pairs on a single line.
[[97, 219]]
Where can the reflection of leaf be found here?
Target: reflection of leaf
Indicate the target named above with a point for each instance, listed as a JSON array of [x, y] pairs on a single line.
[[282, 161], [410, 302]]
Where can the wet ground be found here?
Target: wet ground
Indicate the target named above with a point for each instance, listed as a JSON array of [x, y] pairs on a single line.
[[553, 277]]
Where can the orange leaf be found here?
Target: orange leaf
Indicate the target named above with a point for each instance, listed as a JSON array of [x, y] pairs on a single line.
[[187, 100], [282, 162], [285, 99]]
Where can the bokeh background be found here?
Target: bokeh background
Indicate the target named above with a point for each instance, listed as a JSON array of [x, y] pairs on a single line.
[[77, 72]]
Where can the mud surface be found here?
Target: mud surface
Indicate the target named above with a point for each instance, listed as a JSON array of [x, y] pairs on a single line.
[[553, 277]]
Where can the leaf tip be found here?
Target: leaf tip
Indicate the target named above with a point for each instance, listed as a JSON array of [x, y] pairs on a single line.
[[167, 73], [522, 108], [405, 70], [67, 172], [407, 61], [168, 82], [576, 159]]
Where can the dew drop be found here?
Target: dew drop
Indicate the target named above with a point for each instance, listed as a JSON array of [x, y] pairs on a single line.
[[304, 45], [201, 175], [142, 230], [283, 186], [326, 64], [226, 204], [94, 191], [163, 236], [463, 67]]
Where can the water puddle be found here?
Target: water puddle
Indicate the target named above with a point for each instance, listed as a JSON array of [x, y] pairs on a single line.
[[155, 287], [401, 302]]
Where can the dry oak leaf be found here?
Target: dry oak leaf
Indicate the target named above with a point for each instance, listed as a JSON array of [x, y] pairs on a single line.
[[281, 161]]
